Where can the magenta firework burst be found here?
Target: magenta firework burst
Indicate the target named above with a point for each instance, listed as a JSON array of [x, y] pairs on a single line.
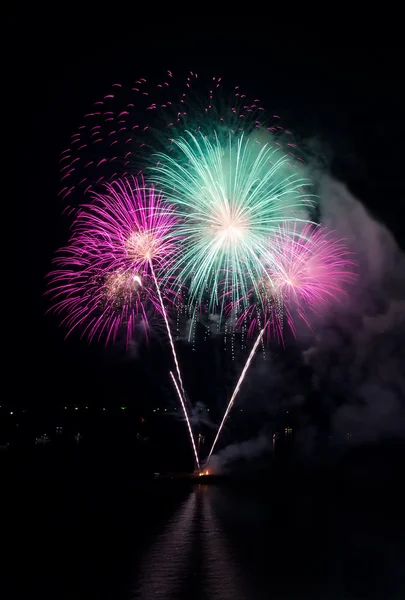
[[104, 278], [312, 266], [306, 268]]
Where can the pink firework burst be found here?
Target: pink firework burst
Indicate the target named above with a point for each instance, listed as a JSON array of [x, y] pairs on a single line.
[[305, 271], [105, 279]]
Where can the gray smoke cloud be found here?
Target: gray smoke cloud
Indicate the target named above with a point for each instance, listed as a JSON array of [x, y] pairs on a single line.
[[358, 350], [352, 360], [248, 449]]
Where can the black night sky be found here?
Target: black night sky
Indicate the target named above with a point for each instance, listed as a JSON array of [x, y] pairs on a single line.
[[347, 100], [343, 103]]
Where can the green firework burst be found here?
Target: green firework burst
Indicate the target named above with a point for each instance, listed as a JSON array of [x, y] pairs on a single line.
[[231, 192]]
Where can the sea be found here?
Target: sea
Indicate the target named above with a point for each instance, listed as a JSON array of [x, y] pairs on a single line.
[[326, 534]]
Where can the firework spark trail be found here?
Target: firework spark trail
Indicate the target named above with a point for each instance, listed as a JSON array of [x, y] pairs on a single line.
[[169, 333], [237, 388], [187, 419], [182, 394]]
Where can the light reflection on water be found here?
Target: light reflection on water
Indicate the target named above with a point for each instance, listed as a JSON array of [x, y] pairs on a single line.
[[191, 556], [222, 578], [231, 544], [286, 538], [165, 565]]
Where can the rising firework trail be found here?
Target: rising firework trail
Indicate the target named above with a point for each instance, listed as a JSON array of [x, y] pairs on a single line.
[[187, 419], [237, 388], [169, 335]]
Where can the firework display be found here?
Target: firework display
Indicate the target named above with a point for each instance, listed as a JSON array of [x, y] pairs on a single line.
[[224, 218]]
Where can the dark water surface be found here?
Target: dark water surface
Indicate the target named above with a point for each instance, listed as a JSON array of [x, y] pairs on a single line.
[[282, 538]]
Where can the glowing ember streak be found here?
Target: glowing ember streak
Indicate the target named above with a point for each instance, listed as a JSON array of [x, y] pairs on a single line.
[[187, 419], [169, 334], [237, 388]]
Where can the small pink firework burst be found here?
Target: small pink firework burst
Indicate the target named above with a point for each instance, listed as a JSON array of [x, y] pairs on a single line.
[[306, 270], [105, 277], [124, 127]]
